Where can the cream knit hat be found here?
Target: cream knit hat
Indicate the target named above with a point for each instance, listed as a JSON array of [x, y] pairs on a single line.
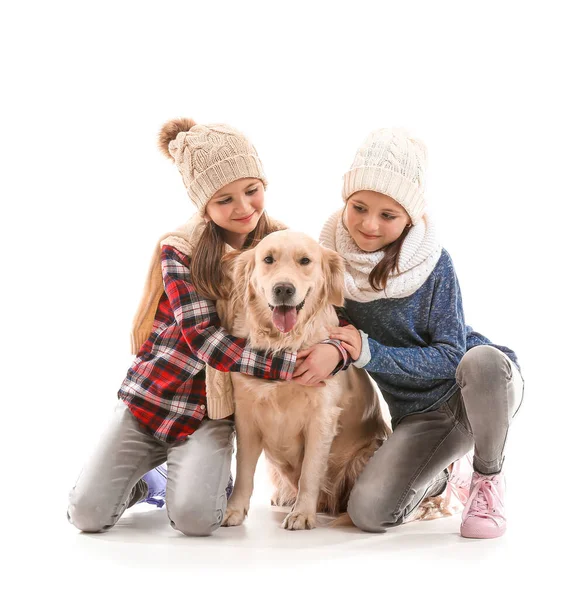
[[209, 157], [393, 163]]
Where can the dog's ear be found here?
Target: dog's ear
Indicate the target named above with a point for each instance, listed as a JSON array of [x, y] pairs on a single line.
[[334, 276], [242, 268]]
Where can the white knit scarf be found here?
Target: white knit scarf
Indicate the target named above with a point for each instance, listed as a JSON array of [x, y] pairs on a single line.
[[419, 255]]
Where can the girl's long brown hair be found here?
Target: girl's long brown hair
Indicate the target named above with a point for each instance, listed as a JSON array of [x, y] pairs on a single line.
[[206, 266], [388, 265]]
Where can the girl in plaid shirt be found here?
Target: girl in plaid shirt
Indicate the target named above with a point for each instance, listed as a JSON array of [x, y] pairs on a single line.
[[163, 415]]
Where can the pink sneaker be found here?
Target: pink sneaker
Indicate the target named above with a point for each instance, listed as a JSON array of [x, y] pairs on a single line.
[[484, 515]]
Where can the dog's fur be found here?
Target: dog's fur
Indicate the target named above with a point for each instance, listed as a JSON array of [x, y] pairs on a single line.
[[317, 440]]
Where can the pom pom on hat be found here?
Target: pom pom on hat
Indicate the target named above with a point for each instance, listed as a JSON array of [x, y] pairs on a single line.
[[170, 131]]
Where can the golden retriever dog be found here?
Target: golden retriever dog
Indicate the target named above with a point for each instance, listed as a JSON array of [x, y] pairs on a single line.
[[317, 440]]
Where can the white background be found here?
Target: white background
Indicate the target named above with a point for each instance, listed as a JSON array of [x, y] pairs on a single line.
[[492, 89]]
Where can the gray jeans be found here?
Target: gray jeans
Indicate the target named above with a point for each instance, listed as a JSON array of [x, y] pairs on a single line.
[[198, 470], [410, 464]]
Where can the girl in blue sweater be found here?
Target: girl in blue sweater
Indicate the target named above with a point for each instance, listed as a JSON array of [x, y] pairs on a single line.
[[449, 389]]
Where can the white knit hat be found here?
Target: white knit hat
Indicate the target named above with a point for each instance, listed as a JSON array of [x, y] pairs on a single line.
[[209, 157], [393, 163]]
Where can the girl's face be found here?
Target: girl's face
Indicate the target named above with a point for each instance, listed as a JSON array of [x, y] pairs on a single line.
[[237, 206], [374, 220]]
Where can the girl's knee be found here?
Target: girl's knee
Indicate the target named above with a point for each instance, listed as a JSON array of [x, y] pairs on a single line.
[[370, 513], [87, 515], [195, 519], [196, 524], [483, 364]]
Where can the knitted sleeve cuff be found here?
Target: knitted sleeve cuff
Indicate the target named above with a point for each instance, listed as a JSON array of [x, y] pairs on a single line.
[[365, 355]]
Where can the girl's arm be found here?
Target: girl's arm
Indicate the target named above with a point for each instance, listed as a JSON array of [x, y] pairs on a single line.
[[440, 358], [201, 328]]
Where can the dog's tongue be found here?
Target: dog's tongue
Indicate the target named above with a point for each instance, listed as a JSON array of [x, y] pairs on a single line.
[[284, 317]]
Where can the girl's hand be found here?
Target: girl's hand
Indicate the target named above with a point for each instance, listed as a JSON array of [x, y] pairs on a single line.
[[350, 339], [315, 364]]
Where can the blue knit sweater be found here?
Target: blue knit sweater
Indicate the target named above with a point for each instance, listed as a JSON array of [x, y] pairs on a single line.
[[416, 343]]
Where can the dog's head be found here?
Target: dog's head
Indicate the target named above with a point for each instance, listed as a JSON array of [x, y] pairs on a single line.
[[291, 275]]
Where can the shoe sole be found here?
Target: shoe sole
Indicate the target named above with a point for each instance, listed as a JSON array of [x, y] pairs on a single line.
[[483, 535]]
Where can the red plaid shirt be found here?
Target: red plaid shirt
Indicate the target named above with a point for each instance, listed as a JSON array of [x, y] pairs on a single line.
[[165, 387]]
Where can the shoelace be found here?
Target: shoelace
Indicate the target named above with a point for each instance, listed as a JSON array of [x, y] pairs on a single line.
[[458, 485], [484, 500]]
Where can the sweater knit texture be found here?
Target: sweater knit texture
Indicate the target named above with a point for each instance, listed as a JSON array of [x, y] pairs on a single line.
[[391, 162], [210, 157], [417, 342]]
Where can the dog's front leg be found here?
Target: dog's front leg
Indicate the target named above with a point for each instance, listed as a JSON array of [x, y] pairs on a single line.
[[313, 469], [248, 449]]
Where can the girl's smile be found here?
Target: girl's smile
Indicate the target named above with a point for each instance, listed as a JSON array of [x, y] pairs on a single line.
[[369, 237], [246, 219]]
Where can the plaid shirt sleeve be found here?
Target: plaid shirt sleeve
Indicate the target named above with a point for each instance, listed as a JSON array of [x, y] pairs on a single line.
[[201, 328]]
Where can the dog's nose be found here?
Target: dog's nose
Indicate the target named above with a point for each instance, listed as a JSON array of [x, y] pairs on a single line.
[[284, 291]]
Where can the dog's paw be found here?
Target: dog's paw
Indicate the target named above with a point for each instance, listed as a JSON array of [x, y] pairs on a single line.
[[234, 517], [297, 520]]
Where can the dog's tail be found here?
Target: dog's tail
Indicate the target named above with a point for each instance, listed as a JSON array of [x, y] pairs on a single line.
[[428, 510], [343, 520]]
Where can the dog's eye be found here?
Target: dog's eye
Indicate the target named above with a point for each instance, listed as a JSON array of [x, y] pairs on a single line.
[[305, 261], [268, 260]]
